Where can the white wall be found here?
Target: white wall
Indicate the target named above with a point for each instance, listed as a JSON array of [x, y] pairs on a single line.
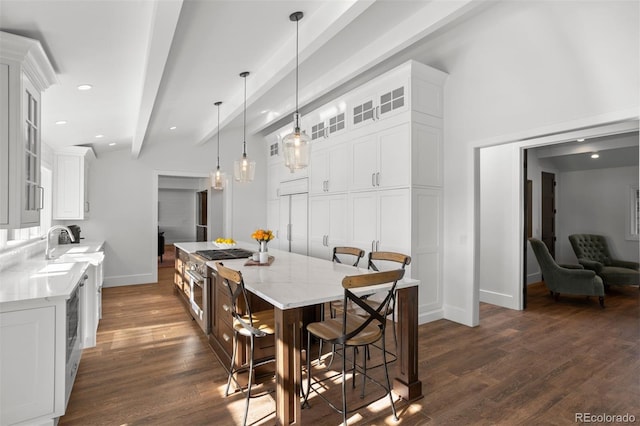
[[123, 192], [500, 225], [177, 214], [519, 70], [595, 202]]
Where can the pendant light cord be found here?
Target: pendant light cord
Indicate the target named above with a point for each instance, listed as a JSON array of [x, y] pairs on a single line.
[[218, 104], [297, 20], [244, 120]]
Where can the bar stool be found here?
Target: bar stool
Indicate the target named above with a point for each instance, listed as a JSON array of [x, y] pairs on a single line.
[[252, 325], [354, 331], [381, 257]]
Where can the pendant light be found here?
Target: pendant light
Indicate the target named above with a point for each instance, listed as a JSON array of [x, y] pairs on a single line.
[[218, 177], [243, 169], [296, 145]]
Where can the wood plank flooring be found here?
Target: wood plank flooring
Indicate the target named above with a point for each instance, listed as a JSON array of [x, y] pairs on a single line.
[[152, 365]]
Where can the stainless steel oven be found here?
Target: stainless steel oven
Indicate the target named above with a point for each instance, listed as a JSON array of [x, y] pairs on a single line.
[[199, 294]]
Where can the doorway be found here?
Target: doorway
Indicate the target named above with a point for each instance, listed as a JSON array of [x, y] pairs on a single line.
[[548, 212]]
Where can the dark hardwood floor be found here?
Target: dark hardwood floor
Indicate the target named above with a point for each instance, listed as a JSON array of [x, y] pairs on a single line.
[[152, 365]]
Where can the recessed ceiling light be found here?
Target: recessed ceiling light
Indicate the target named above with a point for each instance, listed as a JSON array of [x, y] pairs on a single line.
[[172, 128], [112, 144], [99, 136], [61, 122], [594, 156], [580, 140], [85, 87]]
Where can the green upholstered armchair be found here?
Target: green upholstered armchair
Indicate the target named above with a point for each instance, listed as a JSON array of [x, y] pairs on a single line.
[[593, 253], [566, 279]]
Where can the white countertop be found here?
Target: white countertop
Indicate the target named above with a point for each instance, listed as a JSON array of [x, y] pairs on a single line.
[[295, 280], [37, 278]]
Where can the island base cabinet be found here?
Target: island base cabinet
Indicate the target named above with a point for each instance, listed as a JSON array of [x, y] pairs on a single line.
[[27, 342]]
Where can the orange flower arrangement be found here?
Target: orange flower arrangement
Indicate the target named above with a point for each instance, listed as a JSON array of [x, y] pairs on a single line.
[[265, 235]]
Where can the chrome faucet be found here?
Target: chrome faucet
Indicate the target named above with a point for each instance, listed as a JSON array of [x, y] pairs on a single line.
[[47, 252]]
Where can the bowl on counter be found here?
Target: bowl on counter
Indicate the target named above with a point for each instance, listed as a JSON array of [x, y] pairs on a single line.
[[224, 245]]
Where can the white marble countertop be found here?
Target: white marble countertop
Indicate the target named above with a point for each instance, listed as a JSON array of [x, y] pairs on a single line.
[[295, 280], [37, 278]]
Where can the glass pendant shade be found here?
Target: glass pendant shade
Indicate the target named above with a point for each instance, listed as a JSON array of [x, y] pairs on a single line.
[[217, 180], [295, 147], [244, 170]]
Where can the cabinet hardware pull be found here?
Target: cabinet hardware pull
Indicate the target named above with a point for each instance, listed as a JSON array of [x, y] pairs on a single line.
[[326, 132], [378, 245], [373, 244], [378, 179], [225, 307], [377, 112], [86, 207], [225, 337], [41, 198], [373, 179]]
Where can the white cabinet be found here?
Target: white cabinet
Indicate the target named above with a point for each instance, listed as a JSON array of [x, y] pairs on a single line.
[[382, 159], [71, 183], [327, 224], [293, 223], [25, 72], [27, 364], [380, 220], [328, 168], [380, 100]]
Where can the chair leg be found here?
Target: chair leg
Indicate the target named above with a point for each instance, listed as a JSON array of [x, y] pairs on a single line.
[[246, 408], [364, 367], [601, 300], [386, 374], [305, 403], [233, 363], [344, 386], [353, 370]]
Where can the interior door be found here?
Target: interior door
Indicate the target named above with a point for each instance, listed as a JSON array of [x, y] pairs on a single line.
[[549, 212]]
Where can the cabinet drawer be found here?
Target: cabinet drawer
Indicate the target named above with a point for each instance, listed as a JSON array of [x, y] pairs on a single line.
[[177, 280]]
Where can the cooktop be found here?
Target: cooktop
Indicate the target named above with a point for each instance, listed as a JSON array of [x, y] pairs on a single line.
[[232, 253]]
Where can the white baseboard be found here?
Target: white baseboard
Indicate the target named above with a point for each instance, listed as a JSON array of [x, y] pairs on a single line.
[[499, 299], [459, 315], [122, 280], [429, 315]]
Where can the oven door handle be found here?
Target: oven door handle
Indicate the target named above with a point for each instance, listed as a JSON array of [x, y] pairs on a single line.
[[195, 277]]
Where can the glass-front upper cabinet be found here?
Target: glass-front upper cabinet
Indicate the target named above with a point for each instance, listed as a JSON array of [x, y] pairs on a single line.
[[27, 72], [33, 191]]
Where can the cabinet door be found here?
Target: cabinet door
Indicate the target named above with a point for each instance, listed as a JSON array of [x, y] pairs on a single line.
[[274, 173], [299, 223], [394, 221], [27, 339], [283, 222], [4, 144], [394, 147], [364, 162], [337, 235], [363, 221], [319, 208], [318, 170], [337, 167], [392, 100], [68, 187], [31, 190]]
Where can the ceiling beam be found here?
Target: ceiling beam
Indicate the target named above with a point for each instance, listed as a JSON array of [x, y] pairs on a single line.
[[163, 26]]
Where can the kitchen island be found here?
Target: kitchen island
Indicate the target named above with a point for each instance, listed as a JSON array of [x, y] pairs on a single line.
[[294, 283]]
